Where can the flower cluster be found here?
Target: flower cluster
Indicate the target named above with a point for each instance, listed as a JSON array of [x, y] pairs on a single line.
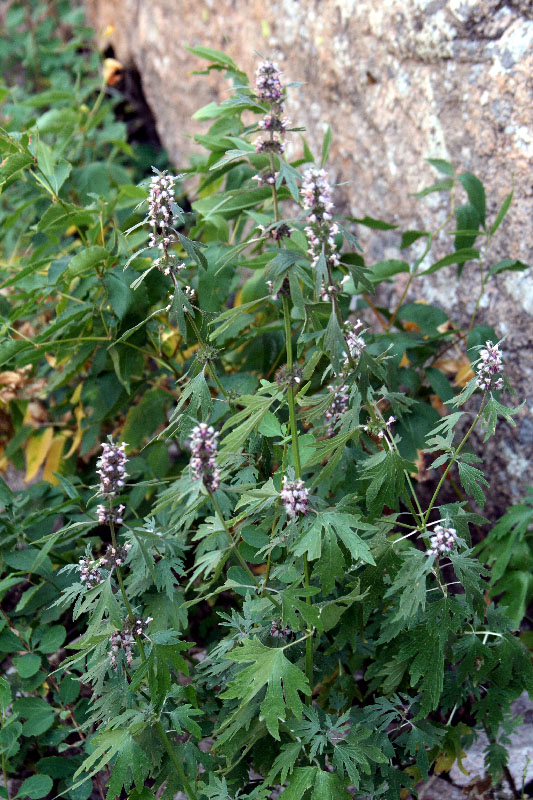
[[108, 516], [125, 640], [115, 556], [295, 497], [204, 448], [284, 289], [286, 377], [280, 631], [489, 365], [112, 469], [89, 573], [160, 214], [269, 90], [354, 340], [339, 404], [442, 541], [377, 428], [321, 230]]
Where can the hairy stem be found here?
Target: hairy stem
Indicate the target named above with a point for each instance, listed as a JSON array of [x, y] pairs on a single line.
[[454, 457], [158, 726]]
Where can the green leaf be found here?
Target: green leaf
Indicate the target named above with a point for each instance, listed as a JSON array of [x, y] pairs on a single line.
[[13, 164], [182, 718], [57, 766], [387, 269], [375, 224], [410, 237], [86, 259], [27, 665], [301, 780], [504, 208], [442, 166], [512, 264], [5, 694], [38, 714], [285, 761], [472, 479], [476, 193], [35, 787], [132, 764], [326, 145], [459, 257], [467, 219], [440, 186], [272, 669], [52, 639], [328, 786], [106, 745], [427, 317]]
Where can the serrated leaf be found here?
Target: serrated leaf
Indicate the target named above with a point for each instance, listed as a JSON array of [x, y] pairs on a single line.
[[271, 669]]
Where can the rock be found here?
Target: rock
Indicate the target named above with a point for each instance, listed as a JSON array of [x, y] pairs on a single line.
[[399, 81], [520, 750]]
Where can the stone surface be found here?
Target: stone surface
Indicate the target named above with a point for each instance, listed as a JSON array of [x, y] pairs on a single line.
[[399, 81], [520, 750]]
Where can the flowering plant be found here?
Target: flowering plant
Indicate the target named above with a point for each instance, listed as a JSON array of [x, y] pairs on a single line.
[[280, 606]]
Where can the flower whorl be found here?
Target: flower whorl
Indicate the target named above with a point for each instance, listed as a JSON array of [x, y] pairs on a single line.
[[112, 469], [489, 365], [160, 214], [268, 83], [295, 497], [321, 231], [204, 448], [442, 541], [339, 405]]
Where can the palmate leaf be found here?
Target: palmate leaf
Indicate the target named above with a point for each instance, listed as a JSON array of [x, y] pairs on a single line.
[[472, 479], [325, 532], [132, 764], [272, 669], [354, 755], [386, 471]]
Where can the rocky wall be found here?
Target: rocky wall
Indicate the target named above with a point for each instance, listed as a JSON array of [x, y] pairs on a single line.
[[399, 81]]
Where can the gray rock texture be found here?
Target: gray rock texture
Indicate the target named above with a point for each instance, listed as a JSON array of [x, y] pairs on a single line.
[[520, 750], [399, 81]]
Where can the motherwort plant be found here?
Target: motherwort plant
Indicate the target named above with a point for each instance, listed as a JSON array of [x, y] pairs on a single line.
[[277, 592]]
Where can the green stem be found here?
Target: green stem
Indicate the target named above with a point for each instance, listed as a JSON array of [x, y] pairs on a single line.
[[4, 773], [209, 365], [235, 549], [412, 276], [454, 457], [158, 726], [290, 391], [189, 791], [298, 474]]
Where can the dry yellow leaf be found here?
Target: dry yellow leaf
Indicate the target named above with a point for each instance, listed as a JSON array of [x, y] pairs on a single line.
[[112, 71], [53, 458], [464, 374], [108, 30], [79, 414], [76, 394], [444, 763], [36, 450], [405, 361], [52, 360], [448, 365], [35, 414]]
